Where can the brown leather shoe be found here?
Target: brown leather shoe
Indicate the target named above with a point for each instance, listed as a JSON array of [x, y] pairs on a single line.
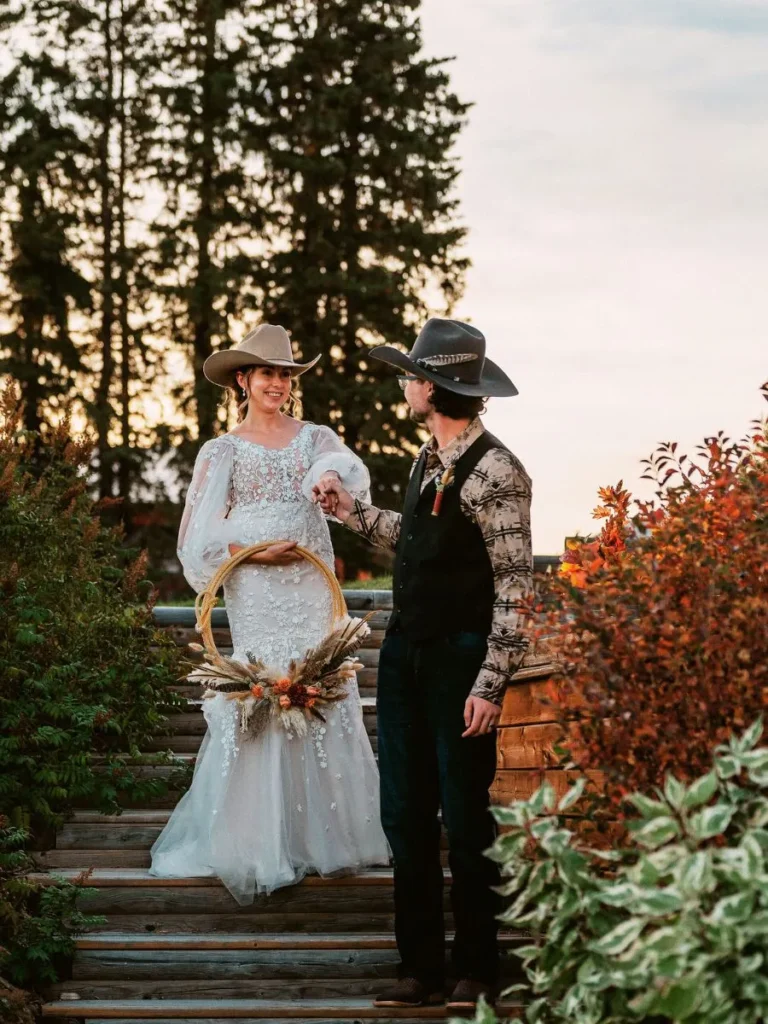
[[467, 993], [408, 992]]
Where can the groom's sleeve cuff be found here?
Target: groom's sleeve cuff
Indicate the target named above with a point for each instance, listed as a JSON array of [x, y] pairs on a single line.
[[379, 526]]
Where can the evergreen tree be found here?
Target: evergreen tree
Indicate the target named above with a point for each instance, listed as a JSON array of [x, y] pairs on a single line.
[[212, 210], [38, 164], [356, 128], [113, 43]]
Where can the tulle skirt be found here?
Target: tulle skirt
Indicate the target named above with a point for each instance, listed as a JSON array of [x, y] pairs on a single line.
[[263, 812]]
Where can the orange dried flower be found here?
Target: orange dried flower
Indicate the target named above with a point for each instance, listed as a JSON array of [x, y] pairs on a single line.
[[257, 691], [285, 702], [282, 685]]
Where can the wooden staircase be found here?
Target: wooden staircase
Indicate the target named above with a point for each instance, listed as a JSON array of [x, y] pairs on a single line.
[[183, 950]]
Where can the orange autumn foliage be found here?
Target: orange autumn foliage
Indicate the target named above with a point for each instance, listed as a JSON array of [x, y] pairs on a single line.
[[661, 622]]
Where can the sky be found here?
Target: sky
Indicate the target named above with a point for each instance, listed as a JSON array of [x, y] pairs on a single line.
[[615, 187]]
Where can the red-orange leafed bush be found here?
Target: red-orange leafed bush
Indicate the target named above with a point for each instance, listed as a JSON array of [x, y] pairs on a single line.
[[661, 623]]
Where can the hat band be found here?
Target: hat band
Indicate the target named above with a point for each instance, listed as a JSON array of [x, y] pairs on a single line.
[[425, 364]]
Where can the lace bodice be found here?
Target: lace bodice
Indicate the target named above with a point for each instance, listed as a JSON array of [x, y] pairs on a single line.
[[243, 492], [264, 475]]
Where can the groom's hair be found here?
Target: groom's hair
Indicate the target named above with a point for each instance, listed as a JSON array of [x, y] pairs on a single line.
[[455, 406]]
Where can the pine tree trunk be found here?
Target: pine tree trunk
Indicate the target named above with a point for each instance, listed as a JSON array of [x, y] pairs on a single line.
[[350, 233], [202, 297], [124, 465], [103, 410], [32, 393]]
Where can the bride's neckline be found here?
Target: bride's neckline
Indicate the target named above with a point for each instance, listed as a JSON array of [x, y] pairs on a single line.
[[267, 447]]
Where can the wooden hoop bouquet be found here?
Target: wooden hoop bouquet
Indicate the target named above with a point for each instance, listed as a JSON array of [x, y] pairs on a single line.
[[293, 694]]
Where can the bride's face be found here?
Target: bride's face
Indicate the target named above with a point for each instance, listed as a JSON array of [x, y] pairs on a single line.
[[267, 387]]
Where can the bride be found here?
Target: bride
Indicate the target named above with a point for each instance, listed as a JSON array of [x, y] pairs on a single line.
[[261, 813]]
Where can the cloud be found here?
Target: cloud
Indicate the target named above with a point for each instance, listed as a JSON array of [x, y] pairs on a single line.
[[615, 186]]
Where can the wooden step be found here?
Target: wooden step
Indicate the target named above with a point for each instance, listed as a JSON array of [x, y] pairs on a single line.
[[127, 892], [130, 941], [187, 729], [239, 980], [156, 922], [130, 878], [212, 1010], [191, 720], [242, 978]]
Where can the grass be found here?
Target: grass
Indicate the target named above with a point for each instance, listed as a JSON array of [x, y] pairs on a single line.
[[377, 583]]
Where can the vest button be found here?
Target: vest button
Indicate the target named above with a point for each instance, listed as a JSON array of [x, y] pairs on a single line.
[[409, 537]]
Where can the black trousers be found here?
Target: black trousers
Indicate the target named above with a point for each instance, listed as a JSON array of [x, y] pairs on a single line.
[[425, 765]]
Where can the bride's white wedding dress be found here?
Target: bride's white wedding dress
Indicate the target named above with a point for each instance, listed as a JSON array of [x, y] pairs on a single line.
[[261, 813]]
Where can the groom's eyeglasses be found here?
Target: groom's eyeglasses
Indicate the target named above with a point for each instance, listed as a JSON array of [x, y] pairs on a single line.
[[403, 379]]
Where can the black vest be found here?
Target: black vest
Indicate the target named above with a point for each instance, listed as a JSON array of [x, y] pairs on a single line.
[[443, 579]]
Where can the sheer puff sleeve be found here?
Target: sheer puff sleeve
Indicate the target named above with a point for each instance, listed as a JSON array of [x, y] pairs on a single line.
[[330, 455], [205, 533]]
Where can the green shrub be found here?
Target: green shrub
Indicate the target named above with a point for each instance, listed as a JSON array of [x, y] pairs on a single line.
[[38, 923], [672, 928], [84, 672]]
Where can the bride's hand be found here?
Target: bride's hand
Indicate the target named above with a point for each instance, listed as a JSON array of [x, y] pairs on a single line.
[[332, 498], [276, 554]]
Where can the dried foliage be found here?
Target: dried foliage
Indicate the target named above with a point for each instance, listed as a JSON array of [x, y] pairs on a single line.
[[293, 696], [660, 622]]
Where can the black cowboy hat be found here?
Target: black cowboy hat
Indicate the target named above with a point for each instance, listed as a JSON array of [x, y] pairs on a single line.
[[452, 355]]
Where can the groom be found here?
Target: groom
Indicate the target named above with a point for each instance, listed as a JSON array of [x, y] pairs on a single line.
[[463, 563]]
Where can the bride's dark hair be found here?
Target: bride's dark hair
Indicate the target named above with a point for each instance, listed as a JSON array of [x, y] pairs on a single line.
[[294, 402]]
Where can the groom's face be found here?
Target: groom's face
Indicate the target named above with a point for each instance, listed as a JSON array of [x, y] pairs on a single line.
[[418, 394]]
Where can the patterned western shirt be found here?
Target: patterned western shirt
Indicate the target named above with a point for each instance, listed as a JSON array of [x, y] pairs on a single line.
[[497, 497]]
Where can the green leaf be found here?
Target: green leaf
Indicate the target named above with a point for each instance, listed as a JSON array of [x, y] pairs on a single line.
[[754, 854], [619, 894], [695, 873], [656, 832], [679, 1001], [701, 791], [674, 791], [514, 815], [619, 938], [484, 1013], [542, 800], [752, 735], [727, 766], [663, 940], [658, 902], [711, 821], [556, 842], [647, 807], [732, 909], [572, 796], [534, 1012]]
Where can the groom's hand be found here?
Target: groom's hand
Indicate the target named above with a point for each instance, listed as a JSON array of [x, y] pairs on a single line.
[[332, 498], [480, 716]]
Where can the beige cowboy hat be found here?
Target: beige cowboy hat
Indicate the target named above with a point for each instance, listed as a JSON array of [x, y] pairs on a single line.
[[266, 345]]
